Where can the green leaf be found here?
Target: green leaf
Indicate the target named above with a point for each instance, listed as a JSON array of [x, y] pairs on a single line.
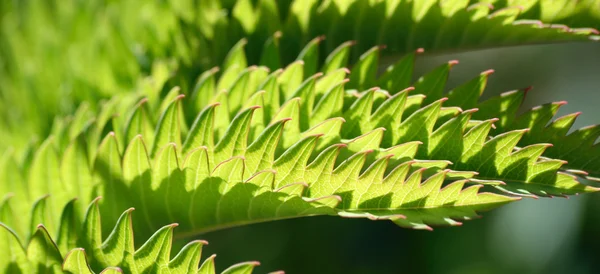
[[42, 252], [168, 127], [76, 263]]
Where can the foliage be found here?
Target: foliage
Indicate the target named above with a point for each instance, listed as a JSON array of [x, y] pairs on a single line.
[[298, 134], [116, 42]]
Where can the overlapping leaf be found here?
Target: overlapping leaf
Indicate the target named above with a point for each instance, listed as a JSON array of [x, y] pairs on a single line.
[[577, 148], [114, 254], [284, 135]]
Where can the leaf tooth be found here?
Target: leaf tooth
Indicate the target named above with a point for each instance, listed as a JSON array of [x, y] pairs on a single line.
[[433, 83], [119, 245], [208, 266], [138, 122], [330, 104], [330, 129], [586, 136], [42, 251], [399, 75], [325, 161], [156, 251], [368, 141], [321, 171], [389, 113], [234, 141], [290, 109], [241, 268], [68, 227], [291, 78], [230, 170], [472, 193], [261, 153], [419, 125], [92, 228], [358, 114], [398, 175], [306, 91], [76, 262], [338, 58], [203, 90], [188, 259], [370, 179], [370, 216], [329, 81], [236, 56], [201, 133], [364, 72], [168, 128], [10, 243], [561, 125], [374, 173], [239, 89], [430, 188], [264, 178], [413, 181], [291, 165], [346, 178], [196, 166], [293, 188], [329, 201]]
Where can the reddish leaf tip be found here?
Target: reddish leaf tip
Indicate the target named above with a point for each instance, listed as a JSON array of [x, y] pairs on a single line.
[[203, 242], [142, 101], [488, 72], [340, 145], [317, 75], [408, 89], [594, 31]]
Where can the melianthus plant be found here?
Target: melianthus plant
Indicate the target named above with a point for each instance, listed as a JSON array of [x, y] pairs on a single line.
[[297, 134]]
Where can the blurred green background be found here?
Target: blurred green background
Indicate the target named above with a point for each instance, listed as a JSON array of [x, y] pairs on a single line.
[[531, 236]]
